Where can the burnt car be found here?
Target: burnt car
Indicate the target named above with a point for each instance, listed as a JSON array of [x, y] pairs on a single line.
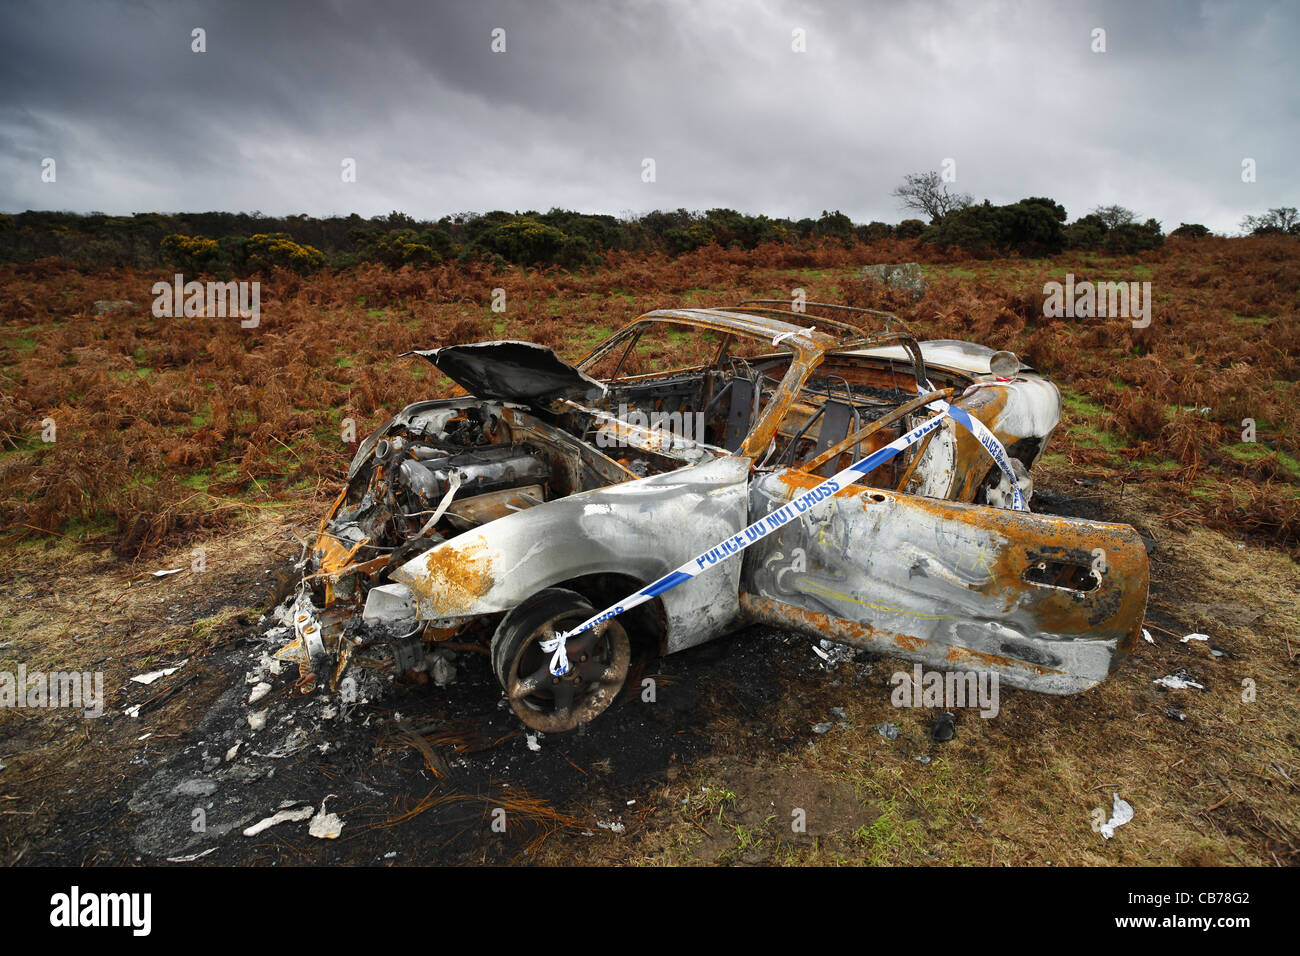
[[499, 519]]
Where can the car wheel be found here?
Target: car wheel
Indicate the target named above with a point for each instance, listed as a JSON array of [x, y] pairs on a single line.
[[598, 662]]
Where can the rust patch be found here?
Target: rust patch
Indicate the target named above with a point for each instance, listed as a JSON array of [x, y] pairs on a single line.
[[455, 578]]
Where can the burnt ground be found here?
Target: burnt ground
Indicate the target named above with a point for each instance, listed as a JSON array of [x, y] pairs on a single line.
[[743, 733], [396, 805]]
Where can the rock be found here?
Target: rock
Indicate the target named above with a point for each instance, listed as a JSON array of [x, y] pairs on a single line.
[[104, 306], [905, 276]]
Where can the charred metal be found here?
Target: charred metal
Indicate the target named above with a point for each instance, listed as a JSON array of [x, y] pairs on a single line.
[[499, 519]]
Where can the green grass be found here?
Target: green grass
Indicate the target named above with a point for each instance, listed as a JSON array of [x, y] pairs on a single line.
[[1084, 419], [1254, 451], [891, 837], [21, 343], [126, 375]]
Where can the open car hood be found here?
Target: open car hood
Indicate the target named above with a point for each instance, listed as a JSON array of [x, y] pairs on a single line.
[[519, 372]]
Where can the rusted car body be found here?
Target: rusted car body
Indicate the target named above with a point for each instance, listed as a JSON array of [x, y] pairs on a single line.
[[498, 519]]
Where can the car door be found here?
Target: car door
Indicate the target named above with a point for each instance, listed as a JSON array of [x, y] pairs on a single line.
[[1050, 603]]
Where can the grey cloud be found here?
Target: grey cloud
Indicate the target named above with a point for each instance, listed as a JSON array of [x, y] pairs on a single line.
[[710, 90]]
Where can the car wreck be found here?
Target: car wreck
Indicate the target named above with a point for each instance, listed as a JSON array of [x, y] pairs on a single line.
[[503, 521]]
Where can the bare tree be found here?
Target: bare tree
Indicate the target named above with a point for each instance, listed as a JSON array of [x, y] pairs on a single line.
[[1114, 216], [928, 193]]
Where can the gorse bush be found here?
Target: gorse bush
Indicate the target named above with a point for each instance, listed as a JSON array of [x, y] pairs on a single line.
[[266, 251], [258, 253]]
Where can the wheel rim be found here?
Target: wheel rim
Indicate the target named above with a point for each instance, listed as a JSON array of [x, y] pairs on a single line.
[[598, 663]]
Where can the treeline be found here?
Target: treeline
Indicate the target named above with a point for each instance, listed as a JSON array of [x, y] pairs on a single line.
[[223, 243], [231, 242]]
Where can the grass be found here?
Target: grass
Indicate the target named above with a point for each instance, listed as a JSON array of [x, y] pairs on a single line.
[[1254, 452]]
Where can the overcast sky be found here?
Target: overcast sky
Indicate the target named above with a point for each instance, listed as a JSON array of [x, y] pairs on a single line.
[[713, 92]]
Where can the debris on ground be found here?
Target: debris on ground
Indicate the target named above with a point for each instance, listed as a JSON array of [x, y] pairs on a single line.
[[822, 727], [887, 730], [1173, 713], [294, 815], [1146, 636], [1179, 680], [192, 856], [1194, 637], [325, 826], [441, 668], [1120, 814], [832, 653], [945, 728], [152, 676], [169, 571]]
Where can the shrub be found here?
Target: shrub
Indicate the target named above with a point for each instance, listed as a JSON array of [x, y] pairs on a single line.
[[525, 241], [910, 229], [191, 253], [1030, 227]]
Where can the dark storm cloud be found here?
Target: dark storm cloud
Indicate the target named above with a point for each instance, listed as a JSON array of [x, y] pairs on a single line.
[[710, 90]]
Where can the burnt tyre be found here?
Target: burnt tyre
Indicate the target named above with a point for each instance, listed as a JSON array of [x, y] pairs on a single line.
[[598, 662]]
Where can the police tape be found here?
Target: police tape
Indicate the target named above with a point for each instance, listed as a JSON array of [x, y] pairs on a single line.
[[795, 508], [988, 440]]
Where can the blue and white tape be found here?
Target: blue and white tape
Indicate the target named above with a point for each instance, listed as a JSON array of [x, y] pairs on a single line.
[[795, 508], [988, 440]]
